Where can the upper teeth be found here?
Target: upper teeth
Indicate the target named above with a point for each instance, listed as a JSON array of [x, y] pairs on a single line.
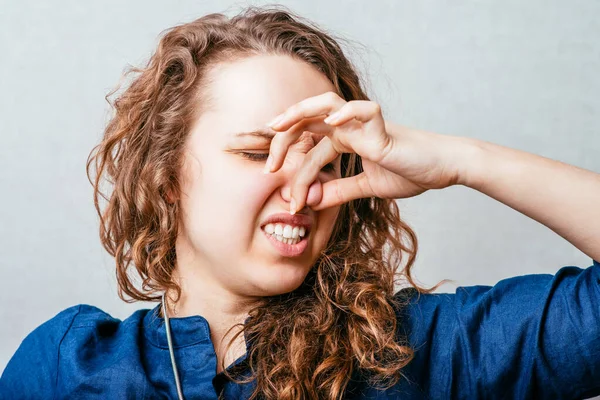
[[287, 231]]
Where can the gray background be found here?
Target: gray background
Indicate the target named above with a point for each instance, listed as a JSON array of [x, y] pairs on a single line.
[[516, 73]]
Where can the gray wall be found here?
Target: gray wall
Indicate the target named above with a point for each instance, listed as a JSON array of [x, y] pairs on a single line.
[[516, 73]]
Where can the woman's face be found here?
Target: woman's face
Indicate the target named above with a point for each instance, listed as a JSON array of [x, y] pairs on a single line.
[[226, 197]]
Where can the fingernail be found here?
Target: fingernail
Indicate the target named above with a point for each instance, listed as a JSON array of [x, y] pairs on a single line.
[[275, 121], [293, 207], [268, 165], [333, 117]]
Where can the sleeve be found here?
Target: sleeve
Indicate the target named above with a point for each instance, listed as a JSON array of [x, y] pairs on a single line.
[[534, 336], [31, 373]]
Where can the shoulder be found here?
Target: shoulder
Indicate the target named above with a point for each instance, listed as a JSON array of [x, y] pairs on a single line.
[[524, 296], [535, 322], [54, 328], [54, 344], [77, 318], [419, 313]]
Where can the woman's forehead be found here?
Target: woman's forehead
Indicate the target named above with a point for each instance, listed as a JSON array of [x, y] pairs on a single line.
[[252, 91]]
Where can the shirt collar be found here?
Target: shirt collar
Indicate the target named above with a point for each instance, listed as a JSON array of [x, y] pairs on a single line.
[[185, 331]]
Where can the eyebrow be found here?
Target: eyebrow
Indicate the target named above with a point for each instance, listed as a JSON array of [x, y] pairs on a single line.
[[259, 133], [267, 135]]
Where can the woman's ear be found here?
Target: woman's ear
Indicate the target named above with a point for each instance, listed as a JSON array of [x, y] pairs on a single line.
[[171, 198]]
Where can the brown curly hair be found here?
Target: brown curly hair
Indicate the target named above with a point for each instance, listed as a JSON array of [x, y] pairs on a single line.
[[342, 319]]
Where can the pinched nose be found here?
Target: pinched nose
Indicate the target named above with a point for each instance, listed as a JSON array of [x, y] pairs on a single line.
[[313, 197]]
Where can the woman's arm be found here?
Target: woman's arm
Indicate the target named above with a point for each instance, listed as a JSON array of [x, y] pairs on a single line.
[[563, 197]]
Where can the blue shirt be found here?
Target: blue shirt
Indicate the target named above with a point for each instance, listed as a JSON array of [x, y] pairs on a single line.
[[534, 336]]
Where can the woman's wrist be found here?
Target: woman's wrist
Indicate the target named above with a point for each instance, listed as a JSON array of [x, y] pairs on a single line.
[[470, 161]]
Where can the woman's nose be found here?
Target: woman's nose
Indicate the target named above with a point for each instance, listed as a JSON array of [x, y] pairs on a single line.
[[313, 197]]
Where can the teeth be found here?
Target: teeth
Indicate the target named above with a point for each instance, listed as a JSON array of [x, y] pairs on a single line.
[[287, 231], [287, 241]]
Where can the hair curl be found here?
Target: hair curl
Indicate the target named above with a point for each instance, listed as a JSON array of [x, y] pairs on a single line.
[[307, 343]]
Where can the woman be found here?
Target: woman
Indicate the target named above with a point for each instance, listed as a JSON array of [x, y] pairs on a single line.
[[259, 302]]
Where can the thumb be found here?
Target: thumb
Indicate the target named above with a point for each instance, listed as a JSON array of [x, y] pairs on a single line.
[[315, 194], [343, 190]]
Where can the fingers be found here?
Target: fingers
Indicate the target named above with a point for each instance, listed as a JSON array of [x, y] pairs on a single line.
[[367, 117], [366, 136], [325, 103], [283, 140], [315, 159], [305, 115], [340, 191], [361, 110]]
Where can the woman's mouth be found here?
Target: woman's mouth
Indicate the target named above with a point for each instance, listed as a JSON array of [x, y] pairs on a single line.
[[287, 240]]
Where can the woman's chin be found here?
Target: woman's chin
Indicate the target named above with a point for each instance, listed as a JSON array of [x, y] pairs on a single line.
[[284, 280]]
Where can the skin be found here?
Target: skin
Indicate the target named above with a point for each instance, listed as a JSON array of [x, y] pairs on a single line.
[[224, 261]]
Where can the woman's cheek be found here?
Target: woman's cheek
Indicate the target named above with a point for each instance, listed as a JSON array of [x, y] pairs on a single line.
[[253, 193]]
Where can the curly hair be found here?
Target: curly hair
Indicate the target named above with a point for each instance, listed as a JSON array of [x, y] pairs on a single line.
[[342, 319]]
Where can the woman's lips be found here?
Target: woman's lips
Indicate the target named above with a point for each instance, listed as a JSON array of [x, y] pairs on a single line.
[[288, 250]]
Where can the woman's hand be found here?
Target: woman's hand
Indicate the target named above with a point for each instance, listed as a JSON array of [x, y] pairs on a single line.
[[398, 162]]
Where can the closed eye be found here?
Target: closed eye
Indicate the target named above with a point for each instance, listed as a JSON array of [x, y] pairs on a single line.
[[263, 157]]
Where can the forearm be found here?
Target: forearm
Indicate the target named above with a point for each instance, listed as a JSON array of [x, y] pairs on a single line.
[[563, 197]]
